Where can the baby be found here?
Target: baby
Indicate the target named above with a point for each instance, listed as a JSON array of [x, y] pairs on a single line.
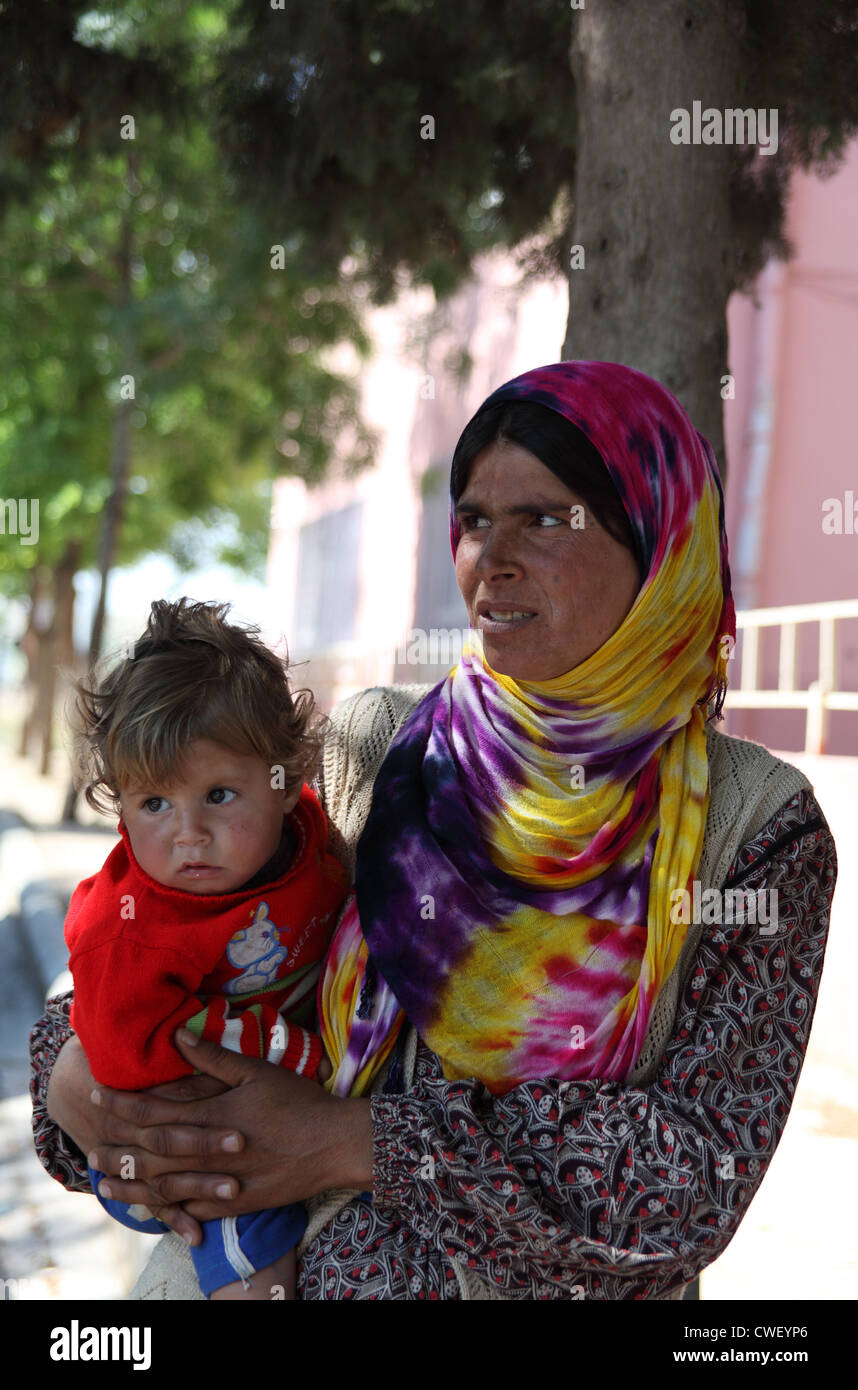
[[216, 908]]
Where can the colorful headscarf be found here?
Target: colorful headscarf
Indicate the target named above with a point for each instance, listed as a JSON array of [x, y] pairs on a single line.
[[520, 922]]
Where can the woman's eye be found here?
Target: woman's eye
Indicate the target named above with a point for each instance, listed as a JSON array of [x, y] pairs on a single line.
[[470, 523], [221, 795]]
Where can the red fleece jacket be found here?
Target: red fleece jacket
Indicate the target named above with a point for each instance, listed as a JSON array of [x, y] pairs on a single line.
[[147, 959]]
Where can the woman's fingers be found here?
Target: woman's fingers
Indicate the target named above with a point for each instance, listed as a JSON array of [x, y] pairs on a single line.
[[135, 1119], [209, 1211], [143, 1109], [139, 1108], [115, 1123], [190, 1088], [179, 1221], [167, 1189], [205, 1146]]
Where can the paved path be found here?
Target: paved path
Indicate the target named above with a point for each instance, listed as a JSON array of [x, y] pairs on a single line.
[[53, 1244]]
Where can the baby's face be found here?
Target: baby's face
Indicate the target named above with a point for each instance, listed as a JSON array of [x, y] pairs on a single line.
[[212, 830]]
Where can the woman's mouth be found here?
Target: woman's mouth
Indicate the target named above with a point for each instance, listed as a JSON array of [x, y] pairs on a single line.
[[500, 620]]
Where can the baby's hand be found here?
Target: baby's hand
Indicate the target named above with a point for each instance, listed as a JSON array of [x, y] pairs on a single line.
[[325, 1070]]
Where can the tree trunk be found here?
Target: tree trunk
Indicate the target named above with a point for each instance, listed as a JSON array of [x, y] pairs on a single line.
[[121, 428], [651, 216], [113, 517], [36, 646], [121, 455], [62, 638], [29, 645], [64, 597], [108, 544], [47, 643], [58, 646]]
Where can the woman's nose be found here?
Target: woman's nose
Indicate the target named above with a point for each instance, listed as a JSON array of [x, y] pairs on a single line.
[[497, 556]]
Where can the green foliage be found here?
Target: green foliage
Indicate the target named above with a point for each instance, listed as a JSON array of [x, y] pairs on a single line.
[[320, 108], [135, 260], [321, 113]]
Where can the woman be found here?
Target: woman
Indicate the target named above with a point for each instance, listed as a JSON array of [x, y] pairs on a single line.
[[537, 818]]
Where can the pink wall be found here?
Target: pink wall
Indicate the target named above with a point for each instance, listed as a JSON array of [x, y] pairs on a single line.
[[790, 439]]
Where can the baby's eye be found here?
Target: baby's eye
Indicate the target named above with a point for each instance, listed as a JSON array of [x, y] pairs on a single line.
[[221, 795], [148, 806]]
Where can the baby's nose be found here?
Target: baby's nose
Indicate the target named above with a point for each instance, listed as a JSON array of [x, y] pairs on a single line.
[[192, 830]]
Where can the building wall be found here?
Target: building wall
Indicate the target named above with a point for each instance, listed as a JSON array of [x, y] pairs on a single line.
[[789, 435]]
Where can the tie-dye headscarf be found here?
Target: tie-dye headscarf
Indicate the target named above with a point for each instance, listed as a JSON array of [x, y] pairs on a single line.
[[521, 923]]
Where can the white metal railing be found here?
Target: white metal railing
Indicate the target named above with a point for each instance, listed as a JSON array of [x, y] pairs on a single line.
[[821, 696], [351, 666]]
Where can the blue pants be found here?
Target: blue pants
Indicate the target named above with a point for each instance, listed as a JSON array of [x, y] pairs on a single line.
[[233, 1247]]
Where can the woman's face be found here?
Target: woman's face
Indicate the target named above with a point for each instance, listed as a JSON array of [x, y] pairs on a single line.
[[519, 553]]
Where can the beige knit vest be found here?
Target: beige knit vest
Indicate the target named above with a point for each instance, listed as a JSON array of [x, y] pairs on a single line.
[[747, 786]]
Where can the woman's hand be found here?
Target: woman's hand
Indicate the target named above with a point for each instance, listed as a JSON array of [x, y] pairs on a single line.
[[94, 1129], [294, 1139]]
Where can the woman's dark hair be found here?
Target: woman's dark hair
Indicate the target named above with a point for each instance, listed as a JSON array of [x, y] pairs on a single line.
[[562, 447]]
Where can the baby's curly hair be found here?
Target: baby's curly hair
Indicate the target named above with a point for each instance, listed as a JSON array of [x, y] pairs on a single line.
[[191, 676]]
